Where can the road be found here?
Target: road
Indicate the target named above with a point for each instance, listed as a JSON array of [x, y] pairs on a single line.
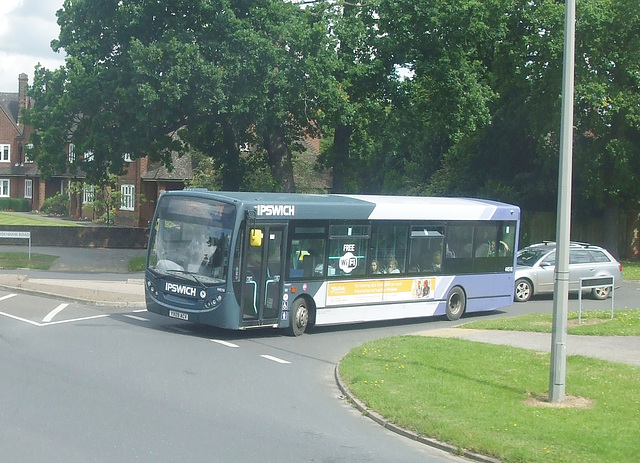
[[83, 383]]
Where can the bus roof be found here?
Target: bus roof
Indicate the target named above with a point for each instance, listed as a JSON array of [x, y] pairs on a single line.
[[361, 207]]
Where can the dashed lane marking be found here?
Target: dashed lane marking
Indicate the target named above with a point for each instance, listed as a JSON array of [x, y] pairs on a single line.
[[224, 343], [274, 359], [8, 296]]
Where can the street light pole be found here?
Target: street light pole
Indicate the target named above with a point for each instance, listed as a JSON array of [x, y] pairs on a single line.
[[557, 376]]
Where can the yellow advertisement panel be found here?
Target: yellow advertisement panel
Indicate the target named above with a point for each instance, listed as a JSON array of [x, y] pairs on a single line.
[[371, 291]]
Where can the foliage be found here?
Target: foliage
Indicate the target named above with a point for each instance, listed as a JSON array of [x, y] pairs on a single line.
[[411, 96], [438, 387], [56, 205]]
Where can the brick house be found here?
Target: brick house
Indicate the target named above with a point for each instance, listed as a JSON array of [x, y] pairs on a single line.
[[140, 186], [18, 176]]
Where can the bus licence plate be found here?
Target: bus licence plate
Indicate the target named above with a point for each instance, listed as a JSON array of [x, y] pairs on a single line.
[[180, 315]]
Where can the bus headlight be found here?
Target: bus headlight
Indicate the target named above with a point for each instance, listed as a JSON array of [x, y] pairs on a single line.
[[213, 302], [151, 288]]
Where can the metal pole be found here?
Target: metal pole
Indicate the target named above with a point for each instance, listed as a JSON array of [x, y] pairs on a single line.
[[557, 377]]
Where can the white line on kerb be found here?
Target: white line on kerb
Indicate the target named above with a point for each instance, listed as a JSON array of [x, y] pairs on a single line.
[[275, 359], [54, 312], [224, 343], [8, 296]]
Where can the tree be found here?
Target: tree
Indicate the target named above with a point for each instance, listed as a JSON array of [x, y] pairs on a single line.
[[151, 78]]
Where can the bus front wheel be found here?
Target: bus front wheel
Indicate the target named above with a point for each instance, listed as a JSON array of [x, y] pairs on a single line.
[[456, 303], [300, 315]]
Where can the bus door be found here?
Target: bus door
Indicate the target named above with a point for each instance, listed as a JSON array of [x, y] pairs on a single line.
[[263, 278]]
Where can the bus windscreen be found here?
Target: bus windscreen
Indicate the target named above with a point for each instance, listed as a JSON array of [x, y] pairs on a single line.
[[192, 238]]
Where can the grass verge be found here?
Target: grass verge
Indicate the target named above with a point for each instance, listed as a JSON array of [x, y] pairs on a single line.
[[13, 260], [631, 270], [138, 264], [488, 399], [594, 323]]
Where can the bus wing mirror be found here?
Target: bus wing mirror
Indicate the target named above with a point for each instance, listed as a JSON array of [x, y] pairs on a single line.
[[255, 237]]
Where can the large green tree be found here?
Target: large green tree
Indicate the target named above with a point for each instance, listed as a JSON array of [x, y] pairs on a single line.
[[151, 78]]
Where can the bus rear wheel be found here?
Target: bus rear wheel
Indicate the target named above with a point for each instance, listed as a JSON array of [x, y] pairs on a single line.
[[300, 315], [456, 303]]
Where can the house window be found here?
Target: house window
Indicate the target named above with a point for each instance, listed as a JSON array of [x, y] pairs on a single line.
[[4, 187], [89, 194], [5, 153], [88, 156], [127, 200], [127, 157], [72, 152], [28, 188]]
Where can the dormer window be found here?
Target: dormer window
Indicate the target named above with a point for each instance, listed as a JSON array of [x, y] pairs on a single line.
[[127, 157], [72, 152]]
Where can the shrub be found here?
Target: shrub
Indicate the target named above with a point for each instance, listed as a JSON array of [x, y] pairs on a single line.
[[56, 205], [14, 204]]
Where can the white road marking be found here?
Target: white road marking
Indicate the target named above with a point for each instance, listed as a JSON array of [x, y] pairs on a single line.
[[275, 359], [71, 320], [224, 343], [54, 312], [21, 319], [31, 322], [8, 296], [137, 318]]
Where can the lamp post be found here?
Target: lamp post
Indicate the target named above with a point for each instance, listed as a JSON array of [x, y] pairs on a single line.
[[557, 376]]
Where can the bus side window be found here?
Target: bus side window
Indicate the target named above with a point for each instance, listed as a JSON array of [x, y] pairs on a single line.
[[389, 247], [307, 258]]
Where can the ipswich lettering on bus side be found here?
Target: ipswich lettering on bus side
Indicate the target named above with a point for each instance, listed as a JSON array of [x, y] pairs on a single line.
[[280, 209]]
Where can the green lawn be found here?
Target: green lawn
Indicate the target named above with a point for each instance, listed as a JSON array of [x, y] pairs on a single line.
[[491, 399], [8, 218]]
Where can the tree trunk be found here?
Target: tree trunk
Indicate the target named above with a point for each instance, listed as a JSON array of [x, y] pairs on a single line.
[[341, 139], [280, 159], [231, 163]]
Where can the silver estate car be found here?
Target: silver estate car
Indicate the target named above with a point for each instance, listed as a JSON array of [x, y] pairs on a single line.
[[536, 265]]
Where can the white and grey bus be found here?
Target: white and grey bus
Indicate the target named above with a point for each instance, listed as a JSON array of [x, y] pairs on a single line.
[[240, 260]]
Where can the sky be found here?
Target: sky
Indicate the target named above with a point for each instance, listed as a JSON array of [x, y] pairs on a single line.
[[27, 28]]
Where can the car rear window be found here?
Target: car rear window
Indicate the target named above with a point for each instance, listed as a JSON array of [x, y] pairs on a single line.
[[599, 256]]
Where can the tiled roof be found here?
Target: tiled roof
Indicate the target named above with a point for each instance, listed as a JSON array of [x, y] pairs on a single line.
[[182, 170], [10, 105]]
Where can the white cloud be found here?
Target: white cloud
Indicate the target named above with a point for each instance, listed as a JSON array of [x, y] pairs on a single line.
[[27, 28]]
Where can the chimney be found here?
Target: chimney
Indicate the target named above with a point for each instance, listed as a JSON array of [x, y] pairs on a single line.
[[23, 84]]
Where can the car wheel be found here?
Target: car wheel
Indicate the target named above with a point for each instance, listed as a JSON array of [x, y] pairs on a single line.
[[524, 290], [601, 292]]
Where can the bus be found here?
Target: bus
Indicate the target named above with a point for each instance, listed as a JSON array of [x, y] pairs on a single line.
[[240, 260]]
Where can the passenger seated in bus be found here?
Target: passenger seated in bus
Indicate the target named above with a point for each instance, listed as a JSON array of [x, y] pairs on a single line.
[[436, 261], [375, 267], [392, 266]]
